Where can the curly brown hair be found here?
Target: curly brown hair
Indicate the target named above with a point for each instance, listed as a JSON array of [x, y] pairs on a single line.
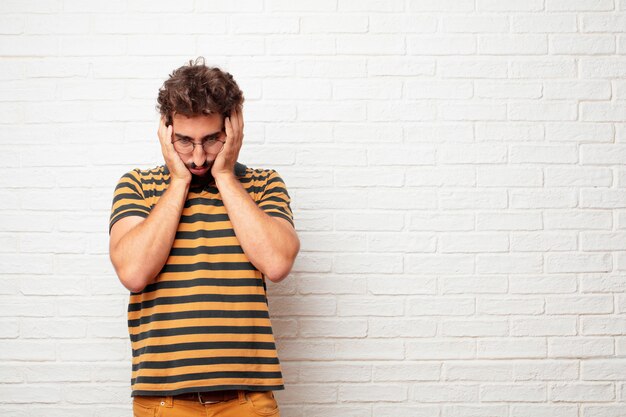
[[195, 89]]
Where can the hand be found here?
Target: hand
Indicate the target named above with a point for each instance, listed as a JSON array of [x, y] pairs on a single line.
[[178, 169], [224, 163]]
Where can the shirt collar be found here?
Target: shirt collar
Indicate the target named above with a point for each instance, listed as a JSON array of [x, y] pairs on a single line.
[[240, 169]]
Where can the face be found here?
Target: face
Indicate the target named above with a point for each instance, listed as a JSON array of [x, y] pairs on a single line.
[[198, 129]]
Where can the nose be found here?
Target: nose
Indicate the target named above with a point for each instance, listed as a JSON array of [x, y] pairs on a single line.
[[199, 157]]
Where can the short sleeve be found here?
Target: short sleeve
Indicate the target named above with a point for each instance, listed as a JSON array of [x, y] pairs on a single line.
[[275, 200], [128, 198]]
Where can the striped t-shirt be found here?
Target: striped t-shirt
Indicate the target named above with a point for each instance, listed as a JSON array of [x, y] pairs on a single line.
[[203, 324]]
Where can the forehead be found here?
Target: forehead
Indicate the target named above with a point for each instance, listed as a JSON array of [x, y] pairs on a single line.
[[198, 125]]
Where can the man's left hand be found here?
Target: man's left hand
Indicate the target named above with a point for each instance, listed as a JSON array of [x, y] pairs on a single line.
[[225, 161]]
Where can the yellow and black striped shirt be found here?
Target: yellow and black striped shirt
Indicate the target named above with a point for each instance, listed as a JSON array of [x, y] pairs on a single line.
[[203, 324]]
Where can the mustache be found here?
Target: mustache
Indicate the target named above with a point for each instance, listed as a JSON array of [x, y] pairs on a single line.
[[193, 165]]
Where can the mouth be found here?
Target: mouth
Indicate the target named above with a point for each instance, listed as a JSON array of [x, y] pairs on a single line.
[[199, 171]]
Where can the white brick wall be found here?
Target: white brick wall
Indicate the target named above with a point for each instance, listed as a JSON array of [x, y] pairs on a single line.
[[458, 182]]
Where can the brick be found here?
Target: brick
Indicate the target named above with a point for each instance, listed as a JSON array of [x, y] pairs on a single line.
[[578, 262], [369, 349], [469, 243], [333, 23], [394, 328], [363, 89], [441, 6], [29, 394], [579, 5], [488, 284], [441, 45], [548, 370], [519, 392], [582, 44], [335, 156], [441, 221], [478, 371], [23, 350], [331, 284], [508, 90], [372, 393], [458, 176], [576, 392], [503, 348], [543, 23], [396, 199], [402, 23], [474, 24], [542, 111], [441, 348], [537, 410], [598, 67], [578, 132], [471, 68], [474, 328], [332, 328], [578, 176], [440, 264], [602, 370], [602, 326], [304, 306], [445, 393], [300, 6], [369, 306], [554, 326], [552, 198], [374, 44], [407, 371], [602, 22], [438, 306], [504, 44], [508, 263], [510, 306], [437, 89], [543, 68], [316, 44], [335, 67], [400, 65], [334, 372], [578, 220], [390, 110], [400, 242], [580, 90]]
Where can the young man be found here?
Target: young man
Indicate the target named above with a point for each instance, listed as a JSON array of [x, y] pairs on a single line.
[[193, 240]]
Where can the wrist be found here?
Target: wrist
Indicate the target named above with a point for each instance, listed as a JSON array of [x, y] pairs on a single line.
[[183, 182], [223, 178]]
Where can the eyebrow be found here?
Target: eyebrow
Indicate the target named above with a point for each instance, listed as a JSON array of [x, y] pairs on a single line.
[[209, 136]]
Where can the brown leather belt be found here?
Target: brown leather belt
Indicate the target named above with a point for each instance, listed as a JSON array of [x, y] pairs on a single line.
[[210, 397]]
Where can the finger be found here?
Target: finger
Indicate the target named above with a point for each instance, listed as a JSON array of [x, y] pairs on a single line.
[[229, 129]]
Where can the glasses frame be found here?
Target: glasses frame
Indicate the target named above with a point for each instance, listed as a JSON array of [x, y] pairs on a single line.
[[194, 144]]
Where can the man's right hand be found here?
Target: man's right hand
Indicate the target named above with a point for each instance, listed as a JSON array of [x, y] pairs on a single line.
[[178, 169]]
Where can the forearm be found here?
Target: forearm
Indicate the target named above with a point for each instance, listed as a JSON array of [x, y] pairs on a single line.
[[143, 251], [270, 244]]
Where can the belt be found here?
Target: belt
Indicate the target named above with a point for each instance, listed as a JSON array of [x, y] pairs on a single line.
[[210, 397]]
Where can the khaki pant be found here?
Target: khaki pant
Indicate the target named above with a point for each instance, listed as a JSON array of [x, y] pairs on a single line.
[[249, 403]]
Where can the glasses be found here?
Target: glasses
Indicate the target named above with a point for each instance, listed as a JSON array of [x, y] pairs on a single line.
[[184, 145]]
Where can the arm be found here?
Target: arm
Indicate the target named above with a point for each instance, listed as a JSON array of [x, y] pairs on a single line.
[[139, 247], [271, 243]]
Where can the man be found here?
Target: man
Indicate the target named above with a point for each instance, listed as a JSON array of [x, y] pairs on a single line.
[[193, 240]]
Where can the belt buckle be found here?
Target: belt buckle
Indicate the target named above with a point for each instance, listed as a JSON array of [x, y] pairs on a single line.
[[207, 402]]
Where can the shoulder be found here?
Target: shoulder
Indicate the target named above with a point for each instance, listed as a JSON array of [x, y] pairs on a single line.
[[262, 176], [146, 176]]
